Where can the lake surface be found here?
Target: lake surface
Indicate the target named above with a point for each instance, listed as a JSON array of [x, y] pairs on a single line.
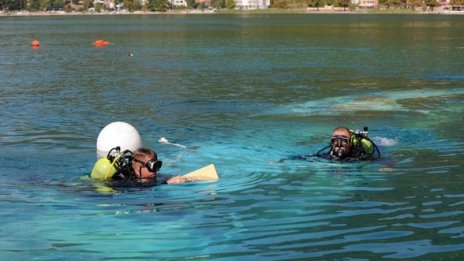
[[242, 92]]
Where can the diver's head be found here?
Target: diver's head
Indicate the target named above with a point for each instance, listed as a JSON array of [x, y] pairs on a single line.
[[340, 142], [145, 163]]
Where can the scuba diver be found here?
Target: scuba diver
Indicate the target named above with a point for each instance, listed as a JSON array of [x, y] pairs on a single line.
[[348, 145], [345, 145], [129, 168]]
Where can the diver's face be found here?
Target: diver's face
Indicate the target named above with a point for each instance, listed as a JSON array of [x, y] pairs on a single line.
[[341, 142], [141, 171]]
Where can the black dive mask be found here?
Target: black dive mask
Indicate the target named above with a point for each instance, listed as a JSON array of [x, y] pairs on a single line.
[[339, 141], [152, 165]]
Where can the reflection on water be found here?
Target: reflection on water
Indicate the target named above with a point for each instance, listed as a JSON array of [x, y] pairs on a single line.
[[242, 92]]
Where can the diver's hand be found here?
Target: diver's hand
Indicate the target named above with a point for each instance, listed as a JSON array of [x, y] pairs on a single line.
[[176, 180]]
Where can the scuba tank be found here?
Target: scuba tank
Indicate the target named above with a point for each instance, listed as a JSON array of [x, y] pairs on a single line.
[[103, 169], [362, 146], [116, 165], [359, 138]]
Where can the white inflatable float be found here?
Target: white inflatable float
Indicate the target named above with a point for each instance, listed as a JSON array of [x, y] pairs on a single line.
[[119, 134]]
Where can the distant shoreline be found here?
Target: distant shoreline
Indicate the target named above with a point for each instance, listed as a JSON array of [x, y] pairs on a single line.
[[257, 11]]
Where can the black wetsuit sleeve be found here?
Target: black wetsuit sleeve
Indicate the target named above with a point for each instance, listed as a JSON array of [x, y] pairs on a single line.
[[297, 157], [311, 157], [162, 179]]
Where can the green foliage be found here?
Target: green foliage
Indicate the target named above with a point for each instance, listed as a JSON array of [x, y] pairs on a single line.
[[158, 5], [34, 5], [280, 4], [98, 7], [393, 3], [44, 4], [55, 5], [218, 4], [191, 4], [132, 5], [457, 2], [201, 5], [431, 3], [297, 3], [414, 3], [331, 2], [342, 3], [316, 3], [230, 4], [87, 4], [11, 5]]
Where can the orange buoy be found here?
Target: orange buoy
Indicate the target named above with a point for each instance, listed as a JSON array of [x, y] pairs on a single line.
[[35, 43], [101, 43]]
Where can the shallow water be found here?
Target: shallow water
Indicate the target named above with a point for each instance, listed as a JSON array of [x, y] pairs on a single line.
[[242, 92]]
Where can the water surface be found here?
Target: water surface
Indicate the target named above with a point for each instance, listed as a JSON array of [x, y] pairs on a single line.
[[242, 92]]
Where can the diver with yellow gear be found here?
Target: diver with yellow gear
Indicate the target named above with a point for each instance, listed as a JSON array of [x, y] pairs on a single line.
[[124, 162], [127, 168], [345, 145], [348, 145]]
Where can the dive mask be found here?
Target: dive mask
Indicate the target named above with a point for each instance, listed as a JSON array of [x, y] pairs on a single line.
[[152, 165], [339, 141]]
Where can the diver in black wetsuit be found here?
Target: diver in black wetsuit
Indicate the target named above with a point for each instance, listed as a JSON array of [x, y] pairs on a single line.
[[139, 169], [346, 145]]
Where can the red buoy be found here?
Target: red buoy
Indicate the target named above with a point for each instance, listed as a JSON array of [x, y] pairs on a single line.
[[101, 43], [35, 43]]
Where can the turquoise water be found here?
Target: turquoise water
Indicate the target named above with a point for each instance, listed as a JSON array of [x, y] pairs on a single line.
[[242, 92]]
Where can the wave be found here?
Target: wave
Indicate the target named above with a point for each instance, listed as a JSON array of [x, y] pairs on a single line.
[[387, 142]]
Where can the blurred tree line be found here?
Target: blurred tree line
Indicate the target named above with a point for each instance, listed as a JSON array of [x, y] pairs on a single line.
[[407, 4], [163, 5]]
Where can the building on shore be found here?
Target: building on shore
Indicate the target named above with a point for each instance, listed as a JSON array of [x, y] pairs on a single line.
[[252, 4], [366, 4], [178, 3]]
